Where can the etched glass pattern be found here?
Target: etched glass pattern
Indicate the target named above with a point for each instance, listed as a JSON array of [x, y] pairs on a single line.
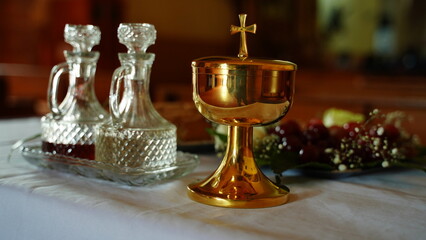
[[148, 149], [68, 132]]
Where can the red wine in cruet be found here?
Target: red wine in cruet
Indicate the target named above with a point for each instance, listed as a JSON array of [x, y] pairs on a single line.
[[86, 151]]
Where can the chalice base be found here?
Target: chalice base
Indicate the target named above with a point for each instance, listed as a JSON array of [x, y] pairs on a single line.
[[237, 191]]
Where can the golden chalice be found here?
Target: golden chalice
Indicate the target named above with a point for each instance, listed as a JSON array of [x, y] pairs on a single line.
[[241, 93]]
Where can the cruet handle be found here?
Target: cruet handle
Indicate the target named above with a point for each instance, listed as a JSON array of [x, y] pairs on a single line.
[[52, 92], [114, 94]]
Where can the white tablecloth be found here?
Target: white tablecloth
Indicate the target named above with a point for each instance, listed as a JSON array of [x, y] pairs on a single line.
[[42, 204]]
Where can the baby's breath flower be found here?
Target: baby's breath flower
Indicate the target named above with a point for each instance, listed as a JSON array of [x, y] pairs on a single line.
[[336, 159], [376, 142], [385, 164], [342, 167], [328, 150], [374, 112], [380, 131]]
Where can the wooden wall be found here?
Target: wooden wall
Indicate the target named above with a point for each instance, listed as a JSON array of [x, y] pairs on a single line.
[[31, 42]]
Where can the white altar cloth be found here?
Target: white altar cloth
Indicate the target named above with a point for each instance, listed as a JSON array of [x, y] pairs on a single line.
[[41, 204]]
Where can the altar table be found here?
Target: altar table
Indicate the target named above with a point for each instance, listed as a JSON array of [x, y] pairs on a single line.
[[38, 204]]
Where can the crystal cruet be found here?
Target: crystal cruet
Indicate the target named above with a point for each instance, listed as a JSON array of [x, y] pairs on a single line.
[[136, 137], [69, 128]]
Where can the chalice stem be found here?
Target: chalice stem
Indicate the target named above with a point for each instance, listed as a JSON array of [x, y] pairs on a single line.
[[239, 153], [238, 182]]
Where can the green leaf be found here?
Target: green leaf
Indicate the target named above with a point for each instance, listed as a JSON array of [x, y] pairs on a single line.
[[409, 165], [422, 150], [373, 164], [222, 137], [262, 161], [338, 117], [316, 165], [421, 154], [283, 161]]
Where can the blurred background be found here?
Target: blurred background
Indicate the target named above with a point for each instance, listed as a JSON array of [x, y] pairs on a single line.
[[351, 54]]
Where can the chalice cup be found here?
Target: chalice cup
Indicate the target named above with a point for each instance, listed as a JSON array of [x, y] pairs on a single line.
[[242, 94]]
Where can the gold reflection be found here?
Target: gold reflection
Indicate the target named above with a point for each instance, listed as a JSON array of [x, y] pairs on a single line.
[[241, 93]]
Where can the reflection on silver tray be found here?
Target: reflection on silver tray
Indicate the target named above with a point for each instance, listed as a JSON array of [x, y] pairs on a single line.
[[185, 164]]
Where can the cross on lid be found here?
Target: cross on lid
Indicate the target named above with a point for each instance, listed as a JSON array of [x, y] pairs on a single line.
[[243, 54]]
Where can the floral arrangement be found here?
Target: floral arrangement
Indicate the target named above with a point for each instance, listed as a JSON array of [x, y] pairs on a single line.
[[340, 141]]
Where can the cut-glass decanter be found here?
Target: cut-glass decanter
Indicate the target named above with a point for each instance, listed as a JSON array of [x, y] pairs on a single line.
[[137, 136], [69, 128]]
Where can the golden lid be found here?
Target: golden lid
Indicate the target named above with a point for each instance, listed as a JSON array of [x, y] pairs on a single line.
[[248, 64], [241, 64]]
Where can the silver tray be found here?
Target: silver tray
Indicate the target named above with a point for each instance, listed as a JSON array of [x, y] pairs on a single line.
[[31, 151]]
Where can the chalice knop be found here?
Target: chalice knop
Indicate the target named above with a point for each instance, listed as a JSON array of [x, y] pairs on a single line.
[[241, 93]]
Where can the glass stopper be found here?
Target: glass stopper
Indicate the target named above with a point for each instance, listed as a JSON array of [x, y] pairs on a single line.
[[243, 54], [137, 37], [82, 37]]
